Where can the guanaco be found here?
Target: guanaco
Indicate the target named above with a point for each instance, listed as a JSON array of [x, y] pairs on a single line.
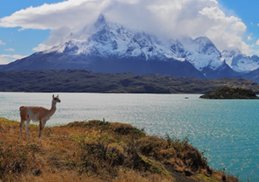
[[37, 114]]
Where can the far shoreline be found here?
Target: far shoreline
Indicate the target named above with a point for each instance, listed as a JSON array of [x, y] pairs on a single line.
[[89, 82]]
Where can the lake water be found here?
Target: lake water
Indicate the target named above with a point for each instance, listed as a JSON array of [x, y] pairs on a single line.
[[226, 130]]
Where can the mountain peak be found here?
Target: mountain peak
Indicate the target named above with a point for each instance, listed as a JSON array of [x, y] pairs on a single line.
[[101, 20], [203, 40], [231, 52]]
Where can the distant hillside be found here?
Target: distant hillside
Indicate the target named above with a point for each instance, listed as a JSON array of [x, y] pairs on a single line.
[[99, 151], [254, 75], [84, 81], [230, 93]]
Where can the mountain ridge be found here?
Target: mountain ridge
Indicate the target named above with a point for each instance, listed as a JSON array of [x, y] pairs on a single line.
[[138, 52]]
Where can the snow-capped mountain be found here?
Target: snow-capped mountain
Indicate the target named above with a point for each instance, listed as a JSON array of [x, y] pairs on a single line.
[[240, 62], [202, 53], [111, 39], [110, 47]]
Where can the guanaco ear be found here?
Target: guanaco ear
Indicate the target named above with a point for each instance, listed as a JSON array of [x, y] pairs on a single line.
[[53, 96], [57, 96]]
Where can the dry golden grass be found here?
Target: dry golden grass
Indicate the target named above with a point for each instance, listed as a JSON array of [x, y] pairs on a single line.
[[98, 151]]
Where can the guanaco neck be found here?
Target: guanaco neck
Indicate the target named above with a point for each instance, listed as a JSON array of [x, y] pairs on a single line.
[[53, 108]]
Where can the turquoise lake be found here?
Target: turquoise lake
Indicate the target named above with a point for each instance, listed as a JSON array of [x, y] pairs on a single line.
[[227, 131]]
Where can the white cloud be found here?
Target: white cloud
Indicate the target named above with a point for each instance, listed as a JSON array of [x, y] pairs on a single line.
[[257, 42], [170, 18], [7, 58], [2, 43], [70, 13]]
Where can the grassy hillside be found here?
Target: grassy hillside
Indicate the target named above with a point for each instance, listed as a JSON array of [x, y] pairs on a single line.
[[83, 81], [97, 151]]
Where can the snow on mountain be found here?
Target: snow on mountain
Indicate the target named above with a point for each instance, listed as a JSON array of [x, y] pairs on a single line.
[[202, 53], [105, 40], [110, 39], [228, 55], [240, 62]]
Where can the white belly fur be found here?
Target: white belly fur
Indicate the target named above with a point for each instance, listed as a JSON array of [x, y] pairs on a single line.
[[35, 117]]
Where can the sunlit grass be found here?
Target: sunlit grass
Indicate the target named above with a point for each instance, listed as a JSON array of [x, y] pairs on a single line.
[[98, 151]]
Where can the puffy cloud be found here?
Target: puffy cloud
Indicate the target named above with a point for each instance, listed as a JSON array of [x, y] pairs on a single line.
[[257, 42], [71, 13], [7, 58], [225, 31], [168, 18]]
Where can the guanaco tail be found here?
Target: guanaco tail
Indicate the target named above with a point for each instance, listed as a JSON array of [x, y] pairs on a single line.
[[37, 114]]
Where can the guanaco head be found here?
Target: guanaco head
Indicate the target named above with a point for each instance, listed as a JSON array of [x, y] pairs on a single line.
[[55, 99]]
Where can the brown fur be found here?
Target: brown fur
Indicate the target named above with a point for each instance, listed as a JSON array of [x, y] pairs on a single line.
[[37, 114]]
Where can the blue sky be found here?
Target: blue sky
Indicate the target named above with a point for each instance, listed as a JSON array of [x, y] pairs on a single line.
[[16, 42], [246, 10]]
